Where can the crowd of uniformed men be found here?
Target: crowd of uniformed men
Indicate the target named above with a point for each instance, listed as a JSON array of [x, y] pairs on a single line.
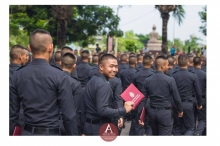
[[61, 93]]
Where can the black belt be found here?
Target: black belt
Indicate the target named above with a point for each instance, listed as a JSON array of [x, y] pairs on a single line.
[[160, 108], [97, 121], [41, 130], [185, 100]]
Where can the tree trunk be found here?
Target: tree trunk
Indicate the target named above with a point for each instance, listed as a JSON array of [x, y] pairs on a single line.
[[61, 33], [165, 18]]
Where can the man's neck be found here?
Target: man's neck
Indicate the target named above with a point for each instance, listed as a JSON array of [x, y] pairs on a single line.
[[133, 66], [16, 62], [86, 61], [184, 67], [170, 67], [122, 62], [42, 56], [147, 67], [198, 66], [67, 70]]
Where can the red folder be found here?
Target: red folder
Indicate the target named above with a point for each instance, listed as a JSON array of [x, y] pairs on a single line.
[[17, 131], [142, 117], [132, 94]]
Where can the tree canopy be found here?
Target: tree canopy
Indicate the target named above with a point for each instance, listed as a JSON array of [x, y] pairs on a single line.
[[203, 19]]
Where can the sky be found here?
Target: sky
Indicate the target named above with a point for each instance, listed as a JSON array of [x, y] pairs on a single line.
[[141, 18]]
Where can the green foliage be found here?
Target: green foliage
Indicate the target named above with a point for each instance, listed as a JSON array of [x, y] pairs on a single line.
[[192, 43], [22, 39], [85, 21], [178, 44], [203, 18]]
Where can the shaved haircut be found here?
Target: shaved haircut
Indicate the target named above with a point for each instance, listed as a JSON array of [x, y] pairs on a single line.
[[68, 60], [123, 57], [171, 60], [57, 56], [65, 49], [95, 59], [132, 60], [190, 57], [147, 59], [15, 51], [39, 40], [101, 54], [160, 61], [197, 61], [183, 60], [106, 57], [139, 57], [85, 54]]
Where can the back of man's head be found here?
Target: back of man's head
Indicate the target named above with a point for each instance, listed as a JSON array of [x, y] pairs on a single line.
[[171, 61], [183, 60], [139, 57], [16, 51], [66, 49], [57, 57], [85, 55], [68, 60], [123, 58], [101, 54], [39, 41], [197, 61], [95, 59], [132, 60], [190, 57], [160, 61], [132, 54], [147, 60]]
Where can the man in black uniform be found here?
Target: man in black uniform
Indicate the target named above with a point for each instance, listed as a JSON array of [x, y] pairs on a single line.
[[160, 88], [138, 81], [18, 57], [97, 96], [83, 68], [202, 82], [204, 64], [126, 75], [186, 82], [68, 64], [94, 68], [123, 64], [44, 90], [139, 62]]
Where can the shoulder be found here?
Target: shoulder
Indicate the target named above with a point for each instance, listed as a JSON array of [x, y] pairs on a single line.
[[22, 67], [54, 66], [175, 72]]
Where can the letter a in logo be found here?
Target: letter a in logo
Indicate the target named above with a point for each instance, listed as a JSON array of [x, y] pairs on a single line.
[[108, 132], [108, 128]]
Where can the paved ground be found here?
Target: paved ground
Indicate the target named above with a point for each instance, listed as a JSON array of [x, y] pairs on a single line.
[[125, 131]]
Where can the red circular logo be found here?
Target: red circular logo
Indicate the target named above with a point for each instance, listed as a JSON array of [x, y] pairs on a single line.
[[108, 132]]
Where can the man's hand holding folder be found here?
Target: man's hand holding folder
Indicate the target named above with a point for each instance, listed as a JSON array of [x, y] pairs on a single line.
[[128, 106]]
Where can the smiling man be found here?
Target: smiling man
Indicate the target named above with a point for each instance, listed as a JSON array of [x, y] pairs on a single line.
[[97, 97]]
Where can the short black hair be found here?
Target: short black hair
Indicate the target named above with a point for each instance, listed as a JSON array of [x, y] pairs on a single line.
[[197, 61], [190, 57], [57, 56], [139, 57], [105, 57], [158, 61], [39, 39], [65, 49], [123, 57], [171, 60], [147, 59], [183, 60], [95, 59], [101, 54], [132, 60], [85, 54], [132, 54], [15, 51], [68, 60]]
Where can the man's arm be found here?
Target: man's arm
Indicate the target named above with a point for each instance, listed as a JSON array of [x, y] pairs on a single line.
[[66, 105], [14, 103], [175, 95], [198, 90]]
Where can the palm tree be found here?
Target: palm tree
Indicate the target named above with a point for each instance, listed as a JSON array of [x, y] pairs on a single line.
[[63, 14], [178, 13]]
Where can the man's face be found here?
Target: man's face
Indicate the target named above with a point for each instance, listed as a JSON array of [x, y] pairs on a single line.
[[109, 67]]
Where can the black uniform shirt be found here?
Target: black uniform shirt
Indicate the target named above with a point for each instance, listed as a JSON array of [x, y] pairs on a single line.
[[44, 90], [160, 88], [170, 71], [94, 70], [83, 73], [121, 67], [186, 83], [126, 76], [74, 73], [139, 66], [96, 99], [202, 80], [12, 68]]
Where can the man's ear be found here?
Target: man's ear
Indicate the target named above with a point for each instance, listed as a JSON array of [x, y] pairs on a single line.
[[74, 66], [50, 48], [29, 48], [101, 67]]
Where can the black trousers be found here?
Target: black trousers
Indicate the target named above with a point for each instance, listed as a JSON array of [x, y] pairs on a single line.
[[201, 118], [186, 123], [161, 121]]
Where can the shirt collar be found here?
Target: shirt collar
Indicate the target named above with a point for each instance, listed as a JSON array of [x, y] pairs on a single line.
[[39, 61], [14, 65]]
